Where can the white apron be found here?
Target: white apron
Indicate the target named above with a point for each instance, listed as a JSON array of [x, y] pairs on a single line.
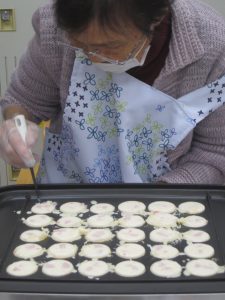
[[117, 129]]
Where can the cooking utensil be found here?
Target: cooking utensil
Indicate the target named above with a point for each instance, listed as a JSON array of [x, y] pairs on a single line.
[[21, 125]]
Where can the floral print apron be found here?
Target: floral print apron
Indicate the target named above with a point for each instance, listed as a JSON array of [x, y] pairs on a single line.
[[117, 129]]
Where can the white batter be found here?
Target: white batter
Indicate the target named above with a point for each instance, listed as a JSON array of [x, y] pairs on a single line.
[[191, 207], [57, 268], [130, 251], [100, 221], [131, 221], [46, 207], [131, 235], [73, 208], [93, 268], [166, 268], [102, 208], [38, 221], [194, 221], [130, 268], [66, 235], [164, 235], [69, 221], [29, 250], [162, 206], [99, 235], [33, 236], [164, 251], [62, 250], [196, 236], [22, 268], [162, 220], [132, 207], [95, 251], [202, 268], [199, 250]]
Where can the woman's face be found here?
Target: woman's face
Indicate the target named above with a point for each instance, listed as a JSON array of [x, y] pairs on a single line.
[[110, 44]]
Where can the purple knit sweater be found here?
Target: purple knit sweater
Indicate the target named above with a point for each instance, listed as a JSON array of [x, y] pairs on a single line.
[[196, 57]]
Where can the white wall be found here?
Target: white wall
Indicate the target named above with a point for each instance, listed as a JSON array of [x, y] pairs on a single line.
[[12, 45], [217, 4]]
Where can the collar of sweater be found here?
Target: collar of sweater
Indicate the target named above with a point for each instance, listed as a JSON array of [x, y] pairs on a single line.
[[185, 44]]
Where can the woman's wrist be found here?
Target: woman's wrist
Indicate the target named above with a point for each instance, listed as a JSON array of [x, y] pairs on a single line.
[[13, 110]]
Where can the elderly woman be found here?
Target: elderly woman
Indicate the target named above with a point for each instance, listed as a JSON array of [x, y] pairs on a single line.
[[134, 90]]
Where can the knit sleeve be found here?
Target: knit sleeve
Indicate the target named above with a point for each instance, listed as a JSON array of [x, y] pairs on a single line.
[[32, 85], [205, 161]]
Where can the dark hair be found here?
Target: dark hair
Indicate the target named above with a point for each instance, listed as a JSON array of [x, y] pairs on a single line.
[[75, 15]]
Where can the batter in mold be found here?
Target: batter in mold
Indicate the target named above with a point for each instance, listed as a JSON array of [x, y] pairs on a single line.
[[132, 207], [162, 206], [57, 268]]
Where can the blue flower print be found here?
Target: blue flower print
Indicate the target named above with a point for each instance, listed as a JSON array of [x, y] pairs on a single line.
[[90, 79], [166, 136], [119, 131], [109, 112], [160, 108], [101, 150], [117, 119], [81, 124], [95, 180], [95, 95], [106, 163], [60, 166], [112, 150], [107, 166], [93, 133], [173, 131], [90, 172], [101, 136], [56, 155], [129, 134], [97, 163], [115, 89], [113, 171], [136, 140], [69, 154], [166, 145], [191, 121], [86, 61], [148, 143], [67, 136], [104, 177], [106, 96], [145, 158], [75, 176], [145, 132]]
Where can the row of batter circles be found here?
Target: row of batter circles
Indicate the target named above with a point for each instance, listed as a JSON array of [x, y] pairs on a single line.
[[104, 221], [88, 268], [67, 250], [197, 267], [129, 235], [97, 268], [197, 250], [131, 207], [97, 251]]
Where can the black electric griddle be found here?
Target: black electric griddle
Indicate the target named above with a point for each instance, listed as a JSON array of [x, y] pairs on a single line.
[[16, 201]]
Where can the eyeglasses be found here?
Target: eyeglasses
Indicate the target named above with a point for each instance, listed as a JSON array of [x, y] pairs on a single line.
[[95, 54]]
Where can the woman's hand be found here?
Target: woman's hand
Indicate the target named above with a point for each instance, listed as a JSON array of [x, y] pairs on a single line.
[[13, 149]]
